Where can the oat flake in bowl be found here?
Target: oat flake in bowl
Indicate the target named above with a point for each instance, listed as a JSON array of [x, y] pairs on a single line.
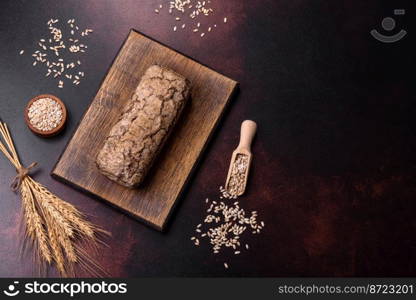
[[46, 115]]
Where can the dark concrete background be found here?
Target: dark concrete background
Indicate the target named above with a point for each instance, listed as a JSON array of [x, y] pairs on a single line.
[[334, 167]]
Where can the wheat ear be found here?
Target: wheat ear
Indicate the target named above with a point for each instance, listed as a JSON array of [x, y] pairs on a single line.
[[56, 229]]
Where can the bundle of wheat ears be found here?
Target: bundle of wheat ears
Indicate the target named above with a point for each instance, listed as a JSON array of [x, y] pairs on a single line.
[[54, 229]]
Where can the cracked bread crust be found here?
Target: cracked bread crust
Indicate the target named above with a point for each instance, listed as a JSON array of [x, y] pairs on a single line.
[[145, 124]]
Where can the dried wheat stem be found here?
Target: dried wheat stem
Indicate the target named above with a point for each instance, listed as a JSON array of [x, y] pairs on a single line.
[[36, 225], [56, 249], [55, 228]]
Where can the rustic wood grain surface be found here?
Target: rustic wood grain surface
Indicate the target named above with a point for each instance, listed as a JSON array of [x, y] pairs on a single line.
[[154, 200], [333, 173]]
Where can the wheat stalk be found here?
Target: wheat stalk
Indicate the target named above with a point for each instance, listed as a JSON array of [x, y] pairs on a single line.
[[72, 215], [55, 229], [35, 226]]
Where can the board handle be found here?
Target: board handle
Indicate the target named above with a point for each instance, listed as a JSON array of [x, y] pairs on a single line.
[[248, 130]]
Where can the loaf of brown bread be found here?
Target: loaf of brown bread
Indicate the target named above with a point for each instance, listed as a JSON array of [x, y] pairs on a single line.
[[143, 127]]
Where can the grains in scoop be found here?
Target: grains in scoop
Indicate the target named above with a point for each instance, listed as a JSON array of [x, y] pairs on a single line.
[[237, 182], [45, 114]]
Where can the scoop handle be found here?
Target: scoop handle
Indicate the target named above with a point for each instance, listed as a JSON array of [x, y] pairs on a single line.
[[248, 130]]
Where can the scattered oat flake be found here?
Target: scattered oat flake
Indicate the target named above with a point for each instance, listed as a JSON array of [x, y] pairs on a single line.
[[21, 52], [226, 265]]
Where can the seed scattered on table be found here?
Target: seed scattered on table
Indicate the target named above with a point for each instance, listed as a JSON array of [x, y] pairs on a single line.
[[190, 11], [45, 114], [56, 46], [225, 225]]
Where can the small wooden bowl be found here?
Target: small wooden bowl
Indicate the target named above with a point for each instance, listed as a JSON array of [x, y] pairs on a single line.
[[54, 131]]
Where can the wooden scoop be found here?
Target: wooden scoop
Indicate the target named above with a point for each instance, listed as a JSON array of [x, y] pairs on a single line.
[[241, 160]]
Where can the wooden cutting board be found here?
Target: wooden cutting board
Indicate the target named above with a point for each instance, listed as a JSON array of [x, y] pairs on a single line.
[[154, 201]]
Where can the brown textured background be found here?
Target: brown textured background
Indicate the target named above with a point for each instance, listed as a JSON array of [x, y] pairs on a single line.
[[334, 168]]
